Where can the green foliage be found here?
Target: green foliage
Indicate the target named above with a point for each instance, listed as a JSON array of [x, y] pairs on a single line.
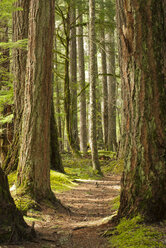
[[132, 233], [6, 9]]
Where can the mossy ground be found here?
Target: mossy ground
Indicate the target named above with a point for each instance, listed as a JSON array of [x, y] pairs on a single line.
[[134, 233]]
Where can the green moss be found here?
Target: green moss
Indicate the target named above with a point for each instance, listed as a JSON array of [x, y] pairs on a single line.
[[60, 181], [115, 167], [134, 233], [115, 203], [12, 178], [25, 203]]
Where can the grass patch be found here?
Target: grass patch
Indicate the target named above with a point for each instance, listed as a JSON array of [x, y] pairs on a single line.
[[134, 233]]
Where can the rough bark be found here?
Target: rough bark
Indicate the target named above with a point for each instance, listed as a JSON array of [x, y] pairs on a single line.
[[81, 70], [112, 143], [142, 43], [94, 151], [34, 162], [12, 225], [73, 74], [20, 32]]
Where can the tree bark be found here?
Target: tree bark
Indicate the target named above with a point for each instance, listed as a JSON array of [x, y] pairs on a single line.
[[104, 79], [94, 151], [73, 74], [112, 143], [34, 162], [142, 46], [81, 70]]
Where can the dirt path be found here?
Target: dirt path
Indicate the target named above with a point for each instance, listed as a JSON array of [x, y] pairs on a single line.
[[89, 208]]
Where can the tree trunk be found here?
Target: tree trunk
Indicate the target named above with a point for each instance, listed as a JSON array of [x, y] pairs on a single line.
[[34, 162], [12, 225], [81, 70], [20, 32], [73, 74], [57, 91], [94, 151], [56, 161], [112, 143], [104, 79], [142, 47], [67, 95]]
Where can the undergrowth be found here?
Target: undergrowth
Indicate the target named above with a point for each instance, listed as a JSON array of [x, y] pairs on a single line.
[[133, 233]]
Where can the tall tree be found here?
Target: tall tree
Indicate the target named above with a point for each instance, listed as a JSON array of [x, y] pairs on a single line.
[[73, 73], [81, 71], [112, 143], [142, 48], [20, 32], [12, 225], [104, 76], [92, 37], [34, 161]]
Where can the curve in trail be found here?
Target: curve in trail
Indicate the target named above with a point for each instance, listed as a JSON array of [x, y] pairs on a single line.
[[90, 208]]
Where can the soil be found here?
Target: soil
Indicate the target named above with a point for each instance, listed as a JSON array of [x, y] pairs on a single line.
[[83, 221]]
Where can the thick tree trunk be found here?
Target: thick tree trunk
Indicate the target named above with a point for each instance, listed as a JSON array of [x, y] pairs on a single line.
[[73, 74], [142, 46], [94, 151], [12, 225], [112, 143], [20, 32], [34, 162], [81, 70]]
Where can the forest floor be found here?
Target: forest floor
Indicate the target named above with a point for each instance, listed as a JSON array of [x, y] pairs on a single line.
[[89, 203], [84, 221]]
